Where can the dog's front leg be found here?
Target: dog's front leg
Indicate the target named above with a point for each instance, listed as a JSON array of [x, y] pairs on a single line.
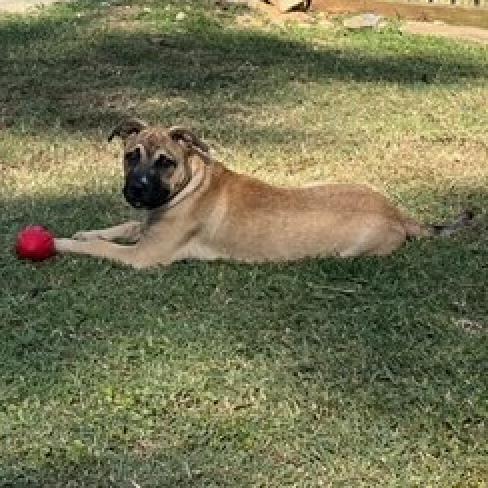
[[140, 255], [129, 231]]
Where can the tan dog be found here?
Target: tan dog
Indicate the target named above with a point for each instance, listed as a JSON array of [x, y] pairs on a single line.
[[199, 209]]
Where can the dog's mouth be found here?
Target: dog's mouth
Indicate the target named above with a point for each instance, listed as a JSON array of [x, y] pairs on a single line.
[[146, 200]]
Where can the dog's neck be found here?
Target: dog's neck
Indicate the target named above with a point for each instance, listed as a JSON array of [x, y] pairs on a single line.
[[198, 170]]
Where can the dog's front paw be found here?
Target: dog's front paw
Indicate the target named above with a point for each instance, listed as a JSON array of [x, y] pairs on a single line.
[[64, 245], [87, 235]]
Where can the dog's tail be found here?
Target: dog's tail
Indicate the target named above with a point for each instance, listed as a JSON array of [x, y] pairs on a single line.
[[416, 229]]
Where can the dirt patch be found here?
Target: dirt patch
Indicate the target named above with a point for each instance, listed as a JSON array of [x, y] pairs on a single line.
[[443, 30], [21, 6], [323, 11], [475, 17], [276, 16], [272, 15]]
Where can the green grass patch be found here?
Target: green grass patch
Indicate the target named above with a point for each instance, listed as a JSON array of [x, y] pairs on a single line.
[[366, 372]]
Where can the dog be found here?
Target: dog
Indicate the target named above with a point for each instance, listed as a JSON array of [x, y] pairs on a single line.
[[197, 208]]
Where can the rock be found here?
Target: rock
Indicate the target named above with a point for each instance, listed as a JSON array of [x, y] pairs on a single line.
[[363, 21]]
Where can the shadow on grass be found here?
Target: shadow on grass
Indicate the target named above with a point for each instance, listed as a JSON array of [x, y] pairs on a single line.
[[143, 360], [175, 376], [376, 303], [75, 73]]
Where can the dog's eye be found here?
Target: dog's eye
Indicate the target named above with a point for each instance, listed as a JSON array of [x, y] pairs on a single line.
[[164, 162], [133, 157]]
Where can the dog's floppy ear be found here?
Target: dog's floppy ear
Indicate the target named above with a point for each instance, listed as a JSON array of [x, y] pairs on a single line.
[[187, 138], [128, 127]]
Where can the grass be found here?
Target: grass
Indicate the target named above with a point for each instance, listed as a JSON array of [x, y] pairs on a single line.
[[335, 373]]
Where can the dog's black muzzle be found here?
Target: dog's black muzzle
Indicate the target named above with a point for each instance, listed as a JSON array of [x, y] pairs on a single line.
[[144, 190]]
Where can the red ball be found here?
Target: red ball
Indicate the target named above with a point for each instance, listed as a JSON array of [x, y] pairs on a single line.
[[35, 243]]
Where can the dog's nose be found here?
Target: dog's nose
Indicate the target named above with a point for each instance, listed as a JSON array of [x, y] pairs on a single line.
[[141, 183]]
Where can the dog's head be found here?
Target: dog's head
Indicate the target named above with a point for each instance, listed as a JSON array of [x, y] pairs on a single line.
[[156, 161]]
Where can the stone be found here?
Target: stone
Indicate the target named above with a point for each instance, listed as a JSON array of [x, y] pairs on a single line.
[[363, 21]]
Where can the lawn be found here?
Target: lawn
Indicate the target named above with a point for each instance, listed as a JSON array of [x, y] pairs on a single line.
[[342, 373]]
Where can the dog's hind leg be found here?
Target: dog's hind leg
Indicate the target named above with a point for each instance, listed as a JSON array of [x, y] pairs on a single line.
[[390, 241], [376, 236]]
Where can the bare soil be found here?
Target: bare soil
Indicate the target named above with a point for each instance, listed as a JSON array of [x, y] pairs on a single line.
[[21, 6], [474, 17], [475, 34], [424, 22]]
